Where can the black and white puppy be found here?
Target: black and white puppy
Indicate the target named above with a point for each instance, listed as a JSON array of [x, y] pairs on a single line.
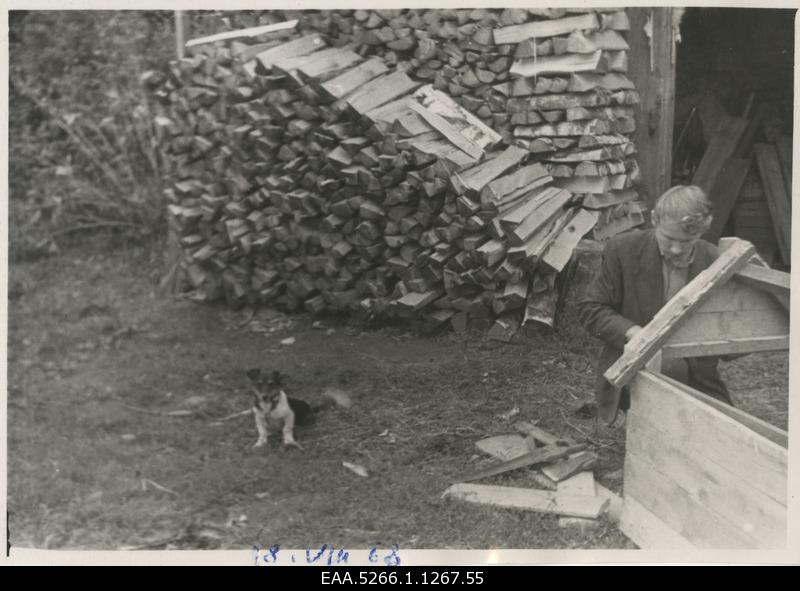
[[274, 409]]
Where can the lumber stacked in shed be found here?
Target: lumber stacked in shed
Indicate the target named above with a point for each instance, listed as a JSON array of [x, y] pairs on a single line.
[[746, 169], [312, 173]]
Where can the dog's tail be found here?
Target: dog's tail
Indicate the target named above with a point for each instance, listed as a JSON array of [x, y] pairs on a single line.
[[335, 397]]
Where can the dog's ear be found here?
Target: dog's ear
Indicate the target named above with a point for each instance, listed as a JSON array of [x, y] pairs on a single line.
[[254, 374]]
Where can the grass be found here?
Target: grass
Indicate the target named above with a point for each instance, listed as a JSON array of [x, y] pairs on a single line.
[[91, 340]]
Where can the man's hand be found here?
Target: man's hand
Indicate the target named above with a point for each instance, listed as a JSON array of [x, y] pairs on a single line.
[[631, 332]]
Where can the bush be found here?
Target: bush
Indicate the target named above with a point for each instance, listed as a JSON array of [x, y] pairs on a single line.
[[83, 153]]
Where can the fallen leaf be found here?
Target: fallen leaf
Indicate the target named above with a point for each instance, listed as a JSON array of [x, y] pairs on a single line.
[[289, 341], [360, 470], [262, 495], [511, 413], [383, 433]]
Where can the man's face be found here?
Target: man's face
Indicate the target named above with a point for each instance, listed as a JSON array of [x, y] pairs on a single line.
[[675, 243]]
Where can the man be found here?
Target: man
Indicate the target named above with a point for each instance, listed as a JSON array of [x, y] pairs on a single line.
[[640, 272]]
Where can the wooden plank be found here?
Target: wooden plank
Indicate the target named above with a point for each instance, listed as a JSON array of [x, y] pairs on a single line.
[[570, 466], [380, 91], [733, 346], [465, 122], [601, 200], [679, 308], [783, 146], [560, 251], [739, 296], [593, 184], [512, 218], [608, 40], [710, 485], [724, 326], [317, 63], [721, 147], [596, 155], [528, 499], [543, 29], [538, 242], [474, 179], [508, 447], [646, 530], [578, 484], [416, 301], [296, 47], [552, 102], [724, 193], [774, 282], [565, 128], [284, 27], [721, 433], [677, 508], [778, 438], [540, 434], [522, 177], [539, 217], [652, 69], [345, 83], [504, 447], [543, 455], [777, 198], [448, 131], [567, 63], [329, 63]]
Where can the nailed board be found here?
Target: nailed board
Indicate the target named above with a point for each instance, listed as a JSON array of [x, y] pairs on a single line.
[[704, 476]]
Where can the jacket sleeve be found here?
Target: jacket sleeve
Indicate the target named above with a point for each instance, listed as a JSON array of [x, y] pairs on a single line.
[[599, 308]]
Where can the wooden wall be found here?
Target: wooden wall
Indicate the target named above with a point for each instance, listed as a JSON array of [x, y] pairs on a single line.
[[700, 475]]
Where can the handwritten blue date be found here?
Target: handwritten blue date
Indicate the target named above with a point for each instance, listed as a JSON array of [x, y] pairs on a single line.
[[324, 555]]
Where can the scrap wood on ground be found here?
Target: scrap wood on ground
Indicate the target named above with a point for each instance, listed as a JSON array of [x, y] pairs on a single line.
[[560, 466]]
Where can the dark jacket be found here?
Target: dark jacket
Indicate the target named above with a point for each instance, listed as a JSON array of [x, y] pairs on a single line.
[[629, 290]]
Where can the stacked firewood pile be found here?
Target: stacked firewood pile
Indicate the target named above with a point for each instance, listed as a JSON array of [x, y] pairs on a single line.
[[349, 170]]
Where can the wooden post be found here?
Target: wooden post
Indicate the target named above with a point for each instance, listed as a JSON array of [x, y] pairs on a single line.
[[651, 67], [180, 32]]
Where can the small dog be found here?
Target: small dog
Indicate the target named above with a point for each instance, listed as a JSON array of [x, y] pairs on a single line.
[[274, 408]]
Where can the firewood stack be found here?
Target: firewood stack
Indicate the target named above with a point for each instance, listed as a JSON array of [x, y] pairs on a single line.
[[310, 172]]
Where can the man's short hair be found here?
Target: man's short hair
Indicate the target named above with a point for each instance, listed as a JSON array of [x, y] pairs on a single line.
[[686, 205]]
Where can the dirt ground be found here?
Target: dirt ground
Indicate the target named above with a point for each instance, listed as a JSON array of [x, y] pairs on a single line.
[[98, 357]]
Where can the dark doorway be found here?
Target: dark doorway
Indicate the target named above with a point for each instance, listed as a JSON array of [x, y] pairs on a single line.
[[734, 80]]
